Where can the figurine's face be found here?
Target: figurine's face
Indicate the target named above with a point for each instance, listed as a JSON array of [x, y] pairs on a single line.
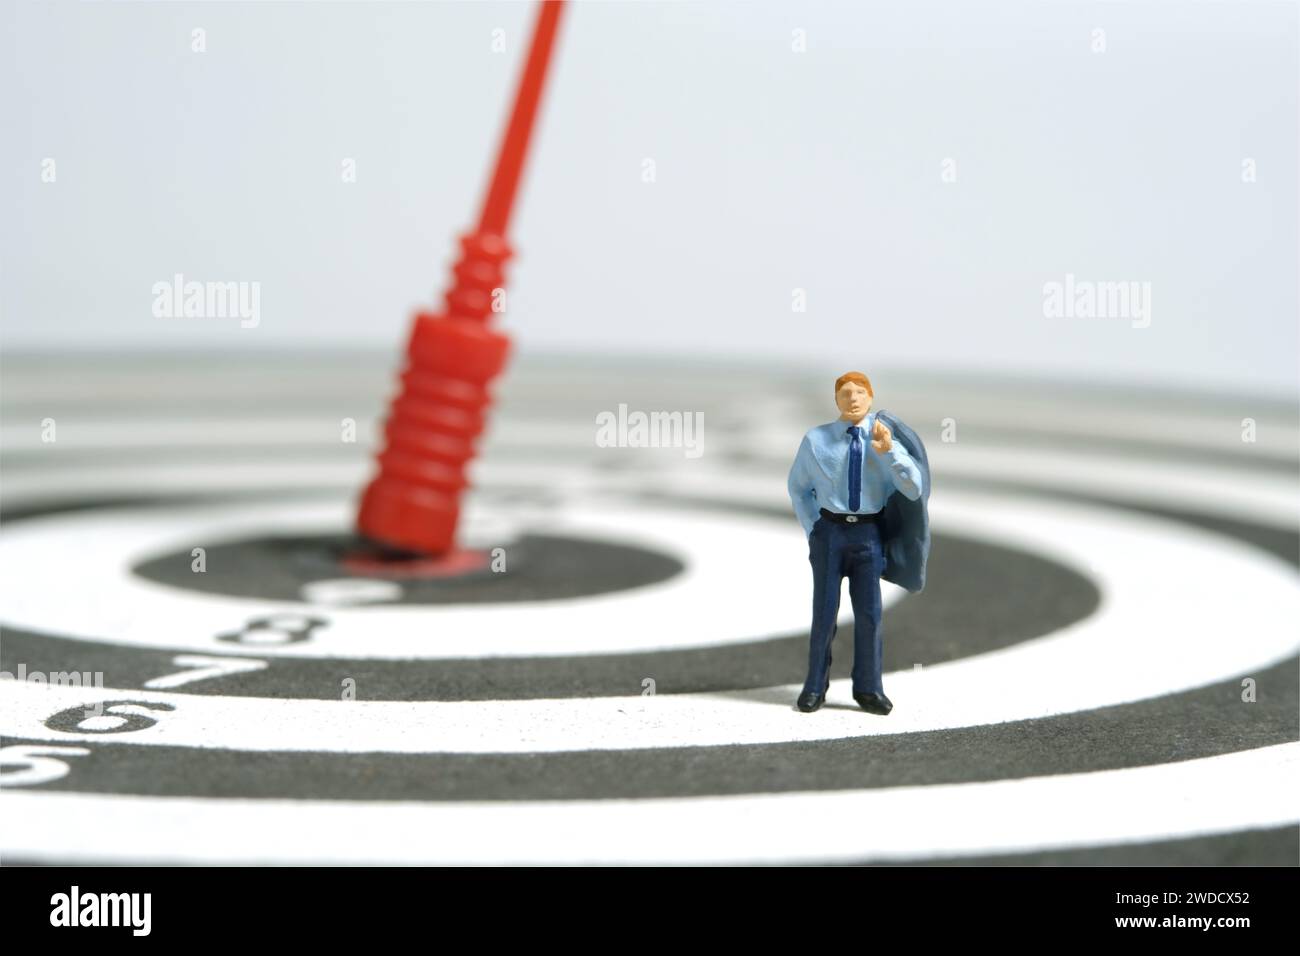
[[854, 401]]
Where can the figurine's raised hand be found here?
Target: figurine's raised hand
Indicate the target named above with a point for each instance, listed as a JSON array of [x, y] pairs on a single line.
[[882, 439]]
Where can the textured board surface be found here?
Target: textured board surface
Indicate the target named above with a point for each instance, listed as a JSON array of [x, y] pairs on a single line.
[[1114, 577]]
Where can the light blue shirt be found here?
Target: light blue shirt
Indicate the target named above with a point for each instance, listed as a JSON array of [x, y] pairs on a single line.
[[819, 477]]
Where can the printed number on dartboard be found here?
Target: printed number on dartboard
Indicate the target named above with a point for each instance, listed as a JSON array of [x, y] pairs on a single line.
[[274, 630]]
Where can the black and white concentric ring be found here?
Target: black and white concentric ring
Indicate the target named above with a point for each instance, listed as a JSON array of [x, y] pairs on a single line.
[[1073, 673]]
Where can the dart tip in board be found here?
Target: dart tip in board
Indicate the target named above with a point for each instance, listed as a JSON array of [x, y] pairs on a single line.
[[456, 563]]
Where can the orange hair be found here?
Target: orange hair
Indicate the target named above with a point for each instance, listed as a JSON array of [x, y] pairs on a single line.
[[857, 377]]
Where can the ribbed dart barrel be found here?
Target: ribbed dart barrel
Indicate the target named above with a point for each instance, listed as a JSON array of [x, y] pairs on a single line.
[[434, 422]]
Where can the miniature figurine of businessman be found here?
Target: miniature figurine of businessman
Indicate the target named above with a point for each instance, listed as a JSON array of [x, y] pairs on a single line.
[[859, 486]]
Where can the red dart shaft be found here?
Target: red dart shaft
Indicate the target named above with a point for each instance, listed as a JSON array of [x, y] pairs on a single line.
[[510, 160], [452, 358]]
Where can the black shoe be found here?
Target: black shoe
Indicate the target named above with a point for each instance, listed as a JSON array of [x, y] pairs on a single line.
[[874, 703], [808, 701]]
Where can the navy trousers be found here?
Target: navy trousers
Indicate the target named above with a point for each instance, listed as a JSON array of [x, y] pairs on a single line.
[[838, 551]]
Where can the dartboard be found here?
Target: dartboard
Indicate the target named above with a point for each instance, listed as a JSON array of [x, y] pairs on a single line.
[[206, 666]]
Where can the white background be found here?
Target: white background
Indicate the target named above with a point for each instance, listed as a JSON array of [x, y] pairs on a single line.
[[776, 170]]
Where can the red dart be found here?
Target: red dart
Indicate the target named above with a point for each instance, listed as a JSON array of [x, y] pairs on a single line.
[[453, 355]]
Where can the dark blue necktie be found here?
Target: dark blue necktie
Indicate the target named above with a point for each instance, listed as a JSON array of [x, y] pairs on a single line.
[[855, 468]]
